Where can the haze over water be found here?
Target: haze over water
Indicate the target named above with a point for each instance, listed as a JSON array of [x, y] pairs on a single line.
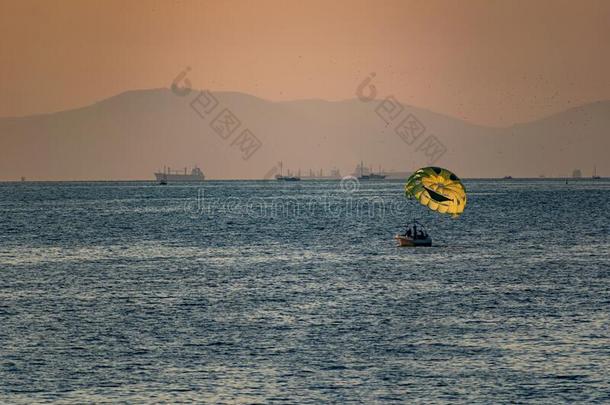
[[133, 292]]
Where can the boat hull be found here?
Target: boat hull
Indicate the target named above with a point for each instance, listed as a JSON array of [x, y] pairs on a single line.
[[178, 177], [287, 178], [409, 242], [372, 177]]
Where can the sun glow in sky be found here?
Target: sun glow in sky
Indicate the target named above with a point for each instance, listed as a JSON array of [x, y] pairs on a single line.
[[488, 62]]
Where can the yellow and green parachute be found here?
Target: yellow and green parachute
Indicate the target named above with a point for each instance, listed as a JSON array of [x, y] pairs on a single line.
[[438, 189]]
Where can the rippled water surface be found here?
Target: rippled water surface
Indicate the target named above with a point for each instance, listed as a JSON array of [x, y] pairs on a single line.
[[262, 292]]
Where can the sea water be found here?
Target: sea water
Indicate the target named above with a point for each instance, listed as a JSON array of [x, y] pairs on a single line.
[[274, 292]]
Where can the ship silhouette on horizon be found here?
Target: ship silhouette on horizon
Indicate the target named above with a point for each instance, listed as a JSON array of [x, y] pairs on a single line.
[[168, 175], [368, 174]]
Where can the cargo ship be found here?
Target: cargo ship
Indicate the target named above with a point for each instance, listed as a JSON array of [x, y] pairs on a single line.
[[167, 175], [595, 176], [289, 177], [335, 174], [362, 173]]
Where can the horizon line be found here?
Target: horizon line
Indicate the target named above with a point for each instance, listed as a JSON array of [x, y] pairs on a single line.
[[564, 178]]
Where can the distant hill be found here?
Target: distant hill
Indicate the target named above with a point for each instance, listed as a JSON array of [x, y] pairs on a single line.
[[130, 135]]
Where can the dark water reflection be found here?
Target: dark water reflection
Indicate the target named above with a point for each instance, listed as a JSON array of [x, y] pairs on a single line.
[[141, 293]]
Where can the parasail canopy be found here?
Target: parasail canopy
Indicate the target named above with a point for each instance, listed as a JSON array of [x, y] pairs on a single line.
[[438, 189]]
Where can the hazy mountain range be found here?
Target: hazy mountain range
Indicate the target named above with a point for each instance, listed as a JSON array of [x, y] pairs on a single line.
[[130, 135]]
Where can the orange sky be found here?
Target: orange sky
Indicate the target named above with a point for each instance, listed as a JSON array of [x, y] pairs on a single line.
[[488, 62]]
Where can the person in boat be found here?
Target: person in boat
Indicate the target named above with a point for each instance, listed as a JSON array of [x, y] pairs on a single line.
[[408, 232]]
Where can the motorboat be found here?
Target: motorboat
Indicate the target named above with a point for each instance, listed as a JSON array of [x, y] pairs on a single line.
[[415, 235]]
